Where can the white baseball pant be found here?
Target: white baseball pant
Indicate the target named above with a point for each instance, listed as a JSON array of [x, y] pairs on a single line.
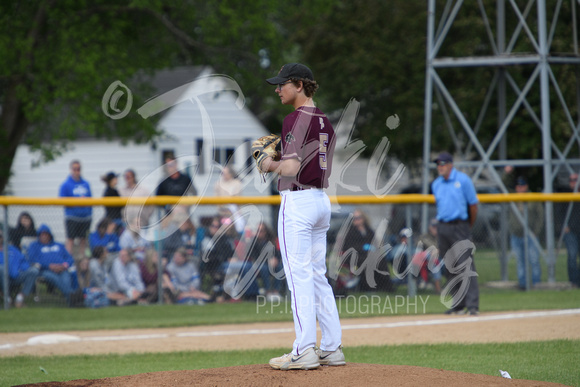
[[303, 221]]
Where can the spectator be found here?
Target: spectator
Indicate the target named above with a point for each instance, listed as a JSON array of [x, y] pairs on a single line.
[[95, 292], [112, 212], [229, 185], [399, 255], [24, 229], [359, 238], [98, 267], [272, 269], [132, 240], [571, 230], [55, 263], [217, 250], [426, 260], [456, 202], [254, 252], [132, 189], [149, 269], [20, 273], [176, 183], [518, 240], [105, 236], [125, 285], [185, 278], [183, 236], [77, 219]]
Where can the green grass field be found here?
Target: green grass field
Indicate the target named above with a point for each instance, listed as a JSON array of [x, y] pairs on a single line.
[[553, 361]]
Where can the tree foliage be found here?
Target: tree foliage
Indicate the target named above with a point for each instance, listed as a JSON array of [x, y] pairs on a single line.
[[58, 57]]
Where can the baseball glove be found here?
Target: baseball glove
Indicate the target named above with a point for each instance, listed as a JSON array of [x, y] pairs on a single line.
[[266, 146]]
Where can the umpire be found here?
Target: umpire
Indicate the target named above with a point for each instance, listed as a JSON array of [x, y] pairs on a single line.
[[456, 211]]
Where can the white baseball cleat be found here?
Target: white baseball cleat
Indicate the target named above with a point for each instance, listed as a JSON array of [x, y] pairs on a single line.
[[307, 360], [334, 358]]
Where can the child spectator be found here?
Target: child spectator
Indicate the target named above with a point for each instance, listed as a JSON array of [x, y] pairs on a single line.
[[98, 267], [149, 274], [105, 236], [185, 278], [20, 273], [24, 230], [133, 241]]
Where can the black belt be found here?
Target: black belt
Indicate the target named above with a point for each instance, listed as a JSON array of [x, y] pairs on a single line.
[[301, 188], [454, 221]]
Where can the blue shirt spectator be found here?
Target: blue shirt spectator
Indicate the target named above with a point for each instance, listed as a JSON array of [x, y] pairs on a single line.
[[105, 236], [55, 263], [76, 187], [77, 219], [20, 273]]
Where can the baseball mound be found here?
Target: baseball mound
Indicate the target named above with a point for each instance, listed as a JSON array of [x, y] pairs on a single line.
[[262, 375]]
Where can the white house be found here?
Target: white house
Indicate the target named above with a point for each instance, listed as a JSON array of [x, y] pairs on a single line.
[[204, 121], [205, 124]]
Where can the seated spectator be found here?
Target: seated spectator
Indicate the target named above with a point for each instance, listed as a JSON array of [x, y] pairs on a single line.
[[259, 248], [83, 277], [20, 273], [356, 244], [399, 256], [183, 236], [24, 230], [125, 285], [54, 261], [105, 236], [185, 278], [216, 250], [95, 292], [132, 240], [426, 261], [149, 274], [98, 267]]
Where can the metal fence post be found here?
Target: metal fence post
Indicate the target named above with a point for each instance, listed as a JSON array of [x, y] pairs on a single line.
[[411, 283], [526, 247], [160, 268], [6, 277]]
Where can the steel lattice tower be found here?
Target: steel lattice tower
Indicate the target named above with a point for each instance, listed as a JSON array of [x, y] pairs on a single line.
[[536, 24]]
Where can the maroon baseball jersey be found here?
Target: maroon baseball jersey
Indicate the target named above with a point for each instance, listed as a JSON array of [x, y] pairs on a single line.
[[308, 136]]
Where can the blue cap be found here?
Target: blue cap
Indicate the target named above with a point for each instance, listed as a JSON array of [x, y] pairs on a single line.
[[444, 156]]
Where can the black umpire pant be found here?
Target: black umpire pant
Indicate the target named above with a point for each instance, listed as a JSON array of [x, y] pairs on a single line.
[[456, 248]]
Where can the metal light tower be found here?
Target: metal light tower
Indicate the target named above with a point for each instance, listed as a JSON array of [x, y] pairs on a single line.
[[540, 95]]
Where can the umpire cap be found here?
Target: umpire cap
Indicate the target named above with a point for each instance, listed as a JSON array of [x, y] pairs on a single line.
[[289, 71]]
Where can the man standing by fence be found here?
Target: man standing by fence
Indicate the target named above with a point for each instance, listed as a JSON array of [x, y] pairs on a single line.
[[77, 219], [456, 212]]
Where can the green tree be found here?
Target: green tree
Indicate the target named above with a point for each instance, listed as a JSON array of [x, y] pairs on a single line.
[[57, 59]]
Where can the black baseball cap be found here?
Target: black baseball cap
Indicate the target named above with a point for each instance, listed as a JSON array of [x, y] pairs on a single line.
[[109, 176], [290, 71]]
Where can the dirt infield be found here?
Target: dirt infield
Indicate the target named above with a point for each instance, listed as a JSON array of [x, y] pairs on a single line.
[[262, 375], [498, 327]]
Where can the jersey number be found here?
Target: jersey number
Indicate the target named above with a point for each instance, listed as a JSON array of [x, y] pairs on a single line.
[[322, 150]]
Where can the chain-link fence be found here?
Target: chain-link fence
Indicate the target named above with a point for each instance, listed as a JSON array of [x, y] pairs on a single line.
[[217, 252]]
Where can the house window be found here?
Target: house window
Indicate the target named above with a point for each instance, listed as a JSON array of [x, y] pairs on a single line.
[[222, 155]]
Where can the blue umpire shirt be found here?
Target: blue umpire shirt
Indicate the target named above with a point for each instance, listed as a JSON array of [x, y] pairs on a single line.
[[453, 196]]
